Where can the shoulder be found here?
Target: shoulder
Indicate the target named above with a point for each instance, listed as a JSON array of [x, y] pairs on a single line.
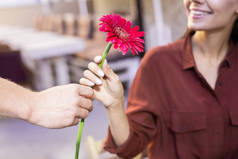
[[163, 54]]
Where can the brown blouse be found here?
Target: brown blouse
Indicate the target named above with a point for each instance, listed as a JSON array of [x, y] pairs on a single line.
[[175, 113]]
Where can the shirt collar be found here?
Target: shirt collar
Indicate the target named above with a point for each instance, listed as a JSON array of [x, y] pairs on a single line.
[[188, 58], [231, 55], [187, 55]]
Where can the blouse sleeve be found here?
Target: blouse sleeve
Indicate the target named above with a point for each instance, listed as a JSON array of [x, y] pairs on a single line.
[[142, 112]]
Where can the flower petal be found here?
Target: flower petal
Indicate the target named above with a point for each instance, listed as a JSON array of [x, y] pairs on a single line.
[[121, 34]]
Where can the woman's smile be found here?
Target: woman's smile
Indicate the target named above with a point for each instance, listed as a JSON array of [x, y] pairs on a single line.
[[196, 13]]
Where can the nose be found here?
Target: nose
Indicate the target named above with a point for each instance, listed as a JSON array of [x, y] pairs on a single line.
[[197, 1]]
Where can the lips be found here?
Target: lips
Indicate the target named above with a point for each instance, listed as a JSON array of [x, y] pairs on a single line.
[[194, 12], [198, 13]]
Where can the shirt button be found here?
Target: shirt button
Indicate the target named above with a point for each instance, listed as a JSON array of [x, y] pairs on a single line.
[[220, 83], [181, 128]]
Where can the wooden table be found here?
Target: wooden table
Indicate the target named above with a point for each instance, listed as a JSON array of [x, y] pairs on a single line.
[[40, 50]]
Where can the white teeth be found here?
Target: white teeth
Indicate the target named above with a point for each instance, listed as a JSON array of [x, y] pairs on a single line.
[[198, 12]]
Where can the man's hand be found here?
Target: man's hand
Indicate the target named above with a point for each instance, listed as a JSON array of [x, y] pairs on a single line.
[[60, 106]]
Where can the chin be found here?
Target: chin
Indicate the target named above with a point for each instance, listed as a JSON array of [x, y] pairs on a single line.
[[197, 27]]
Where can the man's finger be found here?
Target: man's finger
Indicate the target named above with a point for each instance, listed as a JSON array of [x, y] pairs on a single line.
[[76, 121], [85, 103], [85, 91]]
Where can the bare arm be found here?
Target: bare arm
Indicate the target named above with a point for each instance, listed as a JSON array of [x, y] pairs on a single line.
[[56, 107], [14, 100], [118, 123]]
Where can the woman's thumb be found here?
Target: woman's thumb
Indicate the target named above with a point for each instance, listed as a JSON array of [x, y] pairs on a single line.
[[108, 70]]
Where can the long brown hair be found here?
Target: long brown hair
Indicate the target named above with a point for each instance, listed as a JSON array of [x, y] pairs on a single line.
[[234, 33]]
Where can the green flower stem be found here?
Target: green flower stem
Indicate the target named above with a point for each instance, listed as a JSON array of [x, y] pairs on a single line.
[[79, 139], [106, 51]]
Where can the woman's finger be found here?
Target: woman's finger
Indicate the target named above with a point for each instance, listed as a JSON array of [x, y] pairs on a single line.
[[86, 82], [95, 69], [98, 59], [92, 77], [108, 71]]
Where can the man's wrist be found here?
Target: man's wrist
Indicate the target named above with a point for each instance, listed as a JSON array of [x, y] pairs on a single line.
[[26, 114]]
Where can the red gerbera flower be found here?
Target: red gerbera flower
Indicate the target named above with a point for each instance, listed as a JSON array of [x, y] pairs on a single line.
[[121, 34]]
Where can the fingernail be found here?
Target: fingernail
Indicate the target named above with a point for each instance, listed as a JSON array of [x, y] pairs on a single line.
[[90, 83], [100, 73], [98, 58], [98, 81]]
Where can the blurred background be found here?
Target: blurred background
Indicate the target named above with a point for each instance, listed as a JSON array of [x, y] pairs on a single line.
[[44, 43]]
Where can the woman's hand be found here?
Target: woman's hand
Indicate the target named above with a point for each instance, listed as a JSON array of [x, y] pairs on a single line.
[[107, 85], [108, 89]]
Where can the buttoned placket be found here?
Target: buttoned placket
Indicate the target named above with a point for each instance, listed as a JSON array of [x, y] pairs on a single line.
[[219, 90], [221, 102]]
